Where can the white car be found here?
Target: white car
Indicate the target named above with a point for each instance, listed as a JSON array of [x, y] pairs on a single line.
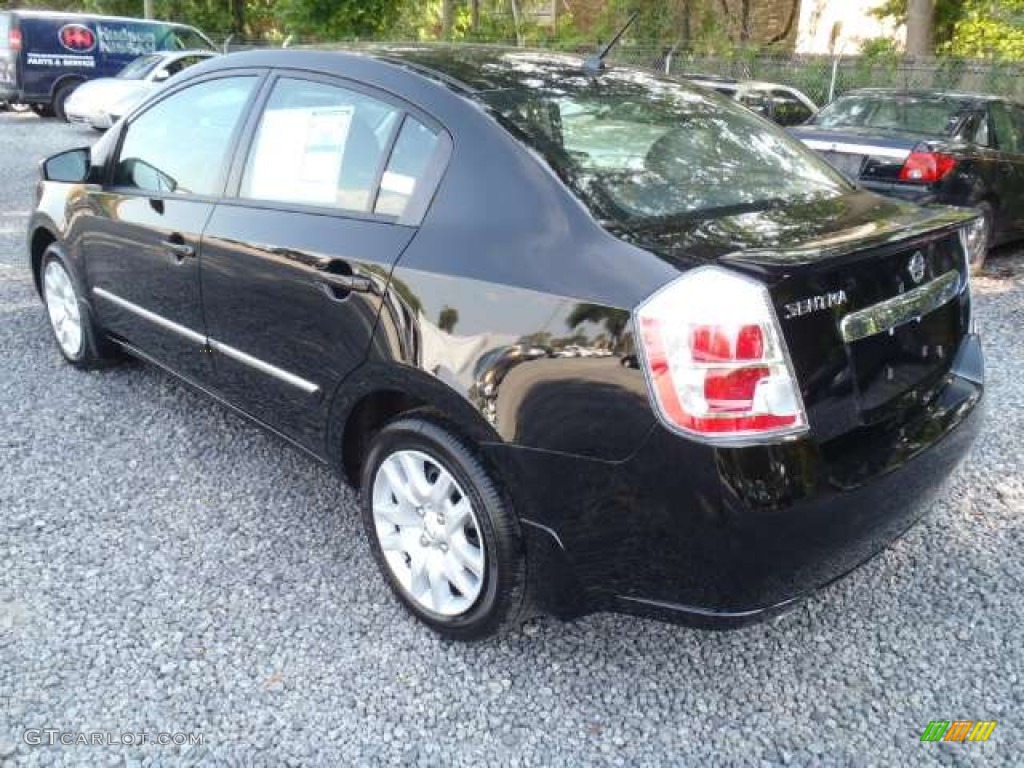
[[781, 104], [99, 103]]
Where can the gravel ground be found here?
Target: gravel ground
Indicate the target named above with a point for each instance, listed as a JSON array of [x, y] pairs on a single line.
[[166, 567]]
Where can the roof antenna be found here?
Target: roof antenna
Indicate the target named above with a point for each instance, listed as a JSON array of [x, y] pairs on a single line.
[[594, 64]]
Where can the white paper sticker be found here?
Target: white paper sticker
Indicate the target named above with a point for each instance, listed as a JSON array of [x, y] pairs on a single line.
[[299, 154]]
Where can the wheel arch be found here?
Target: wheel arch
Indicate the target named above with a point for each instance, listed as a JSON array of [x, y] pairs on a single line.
[[41, 238], [378, 393], [63, 80]]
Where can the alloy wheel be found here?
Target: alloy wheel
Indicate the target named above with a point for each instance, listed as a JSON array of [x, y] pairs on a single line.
[[428, 532], [62, 307]]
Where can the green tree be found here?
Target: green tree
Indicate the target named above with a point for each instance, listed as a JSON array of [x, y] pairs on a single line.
[[990, 29], [337, 19]]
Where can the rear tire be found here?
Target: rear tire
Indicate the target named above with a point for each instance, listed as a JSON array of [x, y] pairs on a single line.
[[77, 337], [60, 98], [454, 555]]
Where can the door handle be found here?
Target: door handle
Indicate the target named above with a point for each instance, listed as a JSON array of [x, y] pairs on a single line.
[[178, 248], [338, 286]]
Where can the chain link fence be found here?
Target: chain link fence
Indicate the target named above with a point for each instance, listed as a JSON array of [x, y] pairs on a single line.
[[820, 77]]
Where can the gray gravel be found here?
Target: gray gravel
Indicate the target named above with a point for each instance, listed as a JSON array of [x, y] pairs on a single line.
[[165, 566]]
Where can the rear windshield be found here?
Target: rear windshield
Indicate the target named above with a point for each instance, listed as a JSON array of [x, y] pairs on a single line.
[[910, 114], [640, 148], [139, 68]]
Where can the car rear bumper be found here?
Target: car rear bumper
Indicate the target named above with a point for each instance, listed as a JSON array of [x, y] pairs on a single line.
[[723, 537]]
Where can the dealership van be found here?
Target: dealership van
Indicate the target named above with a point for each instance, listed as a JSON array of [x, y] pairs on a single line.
[[45, 55]]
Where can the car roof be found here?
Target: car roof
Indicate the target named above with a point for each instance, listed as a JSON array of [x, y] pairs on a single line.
[[38, 14], [470, 69]]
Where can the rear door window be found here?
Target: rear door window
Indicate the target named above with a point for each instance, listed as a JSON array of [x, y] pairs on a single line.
[[319, 144], [1008, 130], [7, 56], [406, 167]]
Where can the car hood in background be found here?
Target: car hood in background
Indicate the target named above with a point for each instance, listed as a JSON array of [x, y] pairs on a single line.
[[105, 92]]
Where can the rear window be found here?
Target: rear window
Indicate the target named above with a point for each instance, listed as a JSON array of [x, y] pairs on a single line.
[[911, 114], [5, 29], [639, 148]]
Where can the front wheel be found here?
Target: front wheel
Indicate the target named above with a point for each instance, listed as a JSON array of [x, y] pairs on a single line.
[[60, 99], [442, 530], [78, 339]]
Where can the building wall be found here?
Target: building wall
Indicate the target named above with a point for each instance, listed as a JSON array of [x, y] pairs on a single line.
[[768, 20], [818, 20]]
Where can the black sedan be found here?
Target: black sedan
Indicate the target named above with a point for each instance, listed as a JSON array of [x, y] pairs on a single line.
[[930, 147], [586, 339]]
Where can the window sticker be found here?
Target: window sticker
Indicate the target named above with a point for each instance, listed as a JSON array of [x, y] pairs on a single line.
[[299, 154]]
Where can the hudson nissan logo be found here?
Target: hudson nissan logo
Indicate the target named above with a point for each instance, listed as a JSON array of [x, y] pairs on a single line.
[[77, 38]]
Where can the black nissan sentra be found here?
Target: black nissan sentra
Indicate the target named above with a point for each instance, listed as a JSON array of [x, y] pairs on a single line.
[[585, 338]]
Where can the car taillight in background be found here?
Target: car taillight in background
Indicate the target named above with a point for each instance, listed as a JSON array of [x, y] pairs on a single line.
[[14, 39], [926, 167], [715, 359]]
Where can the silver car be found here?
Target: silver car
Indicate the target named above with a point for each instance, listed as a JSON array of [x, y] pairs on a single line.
[[99, 103], [781, 104]]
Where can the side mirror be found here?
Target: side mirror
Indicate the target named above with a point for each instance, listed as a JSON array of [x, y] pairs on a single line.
[[72, 166], [161, 75]]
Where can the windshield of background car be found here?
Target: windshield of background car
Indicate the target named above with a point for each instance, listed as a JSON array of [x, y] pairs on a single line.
[[911, 114], [638, 148], [183, 39], [140, 67]]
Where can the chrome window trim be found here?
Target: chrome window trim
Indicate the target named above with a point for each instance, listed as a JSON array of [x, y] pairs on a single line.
[[902, 309], [235, 354]]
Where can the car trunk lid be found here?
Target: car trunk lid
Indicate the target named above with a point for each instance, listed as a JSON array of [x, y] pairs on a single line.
[[862, 154], [870, 295]]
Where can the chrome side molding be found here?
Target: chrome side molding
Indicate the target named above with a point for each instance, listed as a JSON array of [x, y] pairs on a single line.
[[902, 309], [153, 317], [228, 351], [264, 367]]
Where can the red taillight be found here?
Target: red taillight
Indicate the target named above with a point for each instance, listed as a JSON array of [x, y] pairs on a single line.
[[14, 39], [927, 167], [715, 358]]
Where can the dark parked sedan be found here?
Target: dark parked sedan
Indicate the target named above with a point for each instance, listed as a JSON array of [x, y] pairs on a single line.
[[930, 147], [586, 339]]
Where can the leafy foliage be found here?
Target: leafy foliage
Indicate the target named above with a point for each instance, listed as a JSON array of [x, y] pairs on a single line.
[[990, 29]]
